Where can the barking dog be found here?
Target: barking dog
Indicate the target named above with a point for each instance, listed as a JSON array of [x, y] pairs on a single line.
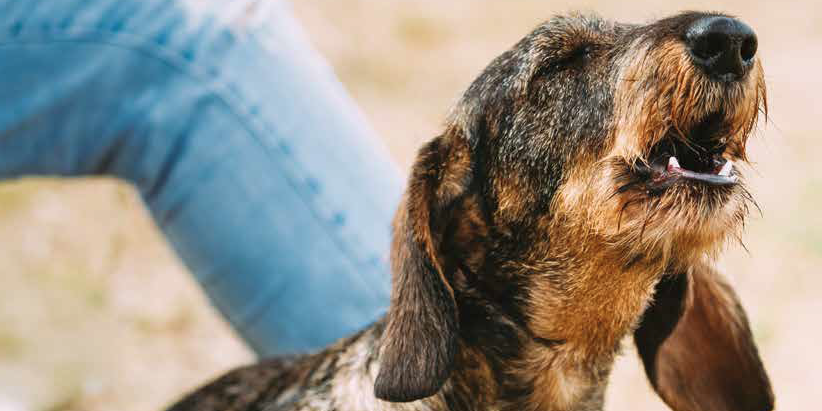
[[579, 193]]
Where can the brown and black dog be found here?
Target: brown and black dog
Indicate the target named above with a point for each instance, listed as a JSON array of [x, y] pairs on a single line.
[[580, 192]]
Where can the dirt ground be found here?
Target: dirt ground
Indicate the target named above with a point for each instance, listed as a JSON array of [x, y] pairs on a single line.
[[97, 314]]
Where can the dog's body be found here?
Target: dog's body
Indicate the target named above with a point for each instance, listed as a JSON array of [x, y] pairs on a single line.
[[578, 194]]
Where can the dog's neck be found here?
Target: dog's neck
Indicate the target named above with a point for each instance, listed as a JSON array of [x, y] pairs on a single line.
[[561, 356], [508, 361], [531, 344], [538, 331]]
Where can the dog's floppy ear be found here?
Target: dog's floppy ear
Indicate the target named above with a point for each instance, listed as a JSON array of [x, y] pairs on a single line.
[[420, 337], [697, 347]]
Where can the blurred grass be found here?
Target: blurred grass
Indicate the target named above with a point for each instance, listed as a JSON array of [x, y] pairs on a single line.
[[97, 314]]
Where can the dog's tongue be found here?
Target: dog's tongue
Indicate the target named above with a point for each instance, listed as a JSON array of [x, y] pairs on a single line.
[[721, 176], [724, 171]]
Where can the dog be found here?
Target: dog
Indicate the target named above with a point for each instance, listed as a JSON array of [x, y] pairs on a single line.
[[580, 193]]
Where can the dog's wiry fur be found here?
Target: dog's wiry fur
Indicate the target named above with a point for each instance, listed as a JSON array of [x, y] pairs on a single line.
[[529, 243]]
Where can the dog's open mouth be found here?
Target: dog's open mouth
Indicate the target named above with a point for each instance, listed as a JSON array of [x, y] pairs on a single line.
[[697, 158]]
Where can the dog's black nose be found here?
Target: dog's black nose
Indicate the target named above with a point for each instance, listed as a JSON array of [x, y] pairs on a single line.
[[723, 46]]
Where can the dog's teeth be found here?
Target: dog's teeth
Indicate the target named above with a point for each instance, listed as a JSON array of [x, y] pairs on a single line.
[[673, 163], [726, 169]]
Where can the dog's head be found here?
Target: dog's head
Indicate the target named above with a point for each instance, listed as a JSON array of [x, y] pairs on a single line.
[[585, 132]]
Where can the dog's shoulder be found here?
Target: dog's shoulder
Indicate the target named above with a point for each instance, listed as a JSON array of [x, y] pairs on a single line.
[[244, 386], [342, 371]]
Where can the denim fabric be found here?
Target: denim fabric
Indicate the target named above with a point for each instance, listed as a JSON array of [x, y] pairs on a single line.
[[252, 158]]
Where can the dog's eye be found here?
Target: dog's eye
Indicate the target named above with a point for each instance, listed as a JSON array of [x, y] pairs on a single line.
[[580, 54], [573, 60]]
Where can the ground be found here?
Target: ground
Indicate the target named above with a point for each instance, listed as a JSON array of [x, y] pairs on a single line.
[[98, 314]]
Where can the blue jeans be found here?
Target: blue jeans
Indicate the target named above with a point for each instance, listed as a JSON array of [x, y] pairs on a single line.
[[252, 158]]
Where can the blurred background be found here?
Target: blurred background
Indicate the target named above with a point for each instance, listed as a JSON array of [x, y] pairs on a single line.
[[96, 313]]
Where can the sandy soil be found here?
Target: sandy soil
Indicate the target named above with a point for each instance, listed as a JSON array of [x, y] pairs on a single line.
[[97, 313]]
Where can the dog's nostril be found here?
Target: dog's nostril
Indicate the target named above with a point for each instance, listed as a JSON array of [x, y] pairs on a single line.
[[748, 50], [723, 46]]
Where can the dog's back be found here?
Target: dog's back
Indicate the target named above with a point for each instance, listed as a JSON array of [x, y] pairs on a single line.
[[336, 378], [245, 388]]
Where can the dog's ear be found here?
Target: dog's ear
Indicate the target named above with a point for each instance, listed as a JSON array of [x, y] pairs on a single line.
[[420, 337], [697, 348]]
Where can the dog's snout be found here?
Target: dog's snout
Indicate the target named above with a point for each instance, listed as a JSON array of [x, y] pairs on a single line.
[[724, 47]]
